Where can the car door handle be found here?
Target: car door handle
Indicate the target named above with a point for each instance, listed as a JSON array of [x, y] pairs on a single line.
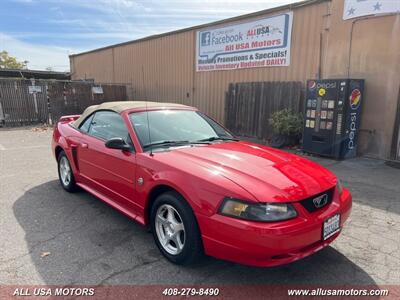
[[84, 145]]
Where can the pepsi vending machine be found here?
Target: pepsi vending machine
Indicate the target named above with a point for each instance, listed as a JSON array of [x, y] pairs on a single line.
[[332, 117]]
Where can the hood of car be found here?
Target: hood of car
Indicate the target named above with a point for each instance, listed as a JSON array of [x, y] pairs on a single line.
[[268, 174]]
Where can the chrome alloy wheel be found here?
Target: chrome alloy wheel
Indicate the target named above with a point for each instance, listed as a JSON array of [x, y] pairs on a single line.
[[65, 171], [170, 229]]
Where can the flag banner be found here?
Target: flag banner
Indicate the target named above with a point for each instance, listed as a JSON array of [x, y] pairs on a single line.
[[359, 8]]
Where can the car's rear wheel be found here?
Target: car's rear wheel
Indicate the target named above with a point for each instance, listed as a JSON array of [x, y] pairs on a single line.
[[65, 173], [175, 229]]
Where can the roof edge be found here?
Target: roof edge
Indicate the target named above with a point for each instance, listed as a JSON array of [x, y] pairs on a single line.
[[237, 18], [34, 71]]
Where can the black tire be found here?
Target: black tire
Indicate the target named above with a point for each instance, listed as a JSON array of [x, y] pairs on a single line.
[[71, 185], [192, 251]]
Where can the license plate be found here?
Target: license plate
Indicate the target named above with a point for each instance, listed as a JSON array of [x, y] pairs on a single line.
[[331, 226]]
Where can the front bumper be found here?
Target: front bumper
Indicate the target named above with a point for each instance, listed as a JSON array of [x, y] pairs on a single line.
[[271, 244]]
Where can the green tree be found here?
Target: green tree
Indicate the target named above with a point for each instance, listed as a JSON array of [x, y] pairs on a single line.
[[10, 62]]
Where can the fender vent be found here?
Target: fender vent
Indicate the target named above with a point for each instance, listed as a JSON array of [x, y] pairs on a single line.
[[74, 152]]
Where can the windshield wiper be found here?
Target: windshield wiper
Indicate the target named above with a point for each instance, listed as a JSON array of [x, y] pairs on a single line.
[[165, 143], [173, 143], [218, 138]]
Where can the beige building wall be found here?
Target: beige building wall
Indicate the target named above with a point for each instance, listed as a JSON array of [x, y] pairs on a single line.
[[163, 68], [98, 66], [367, 48]]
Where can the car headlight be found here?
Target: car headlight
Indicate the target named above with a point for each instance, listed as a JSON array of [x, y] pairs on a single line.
[[339, 186], [265, 212]]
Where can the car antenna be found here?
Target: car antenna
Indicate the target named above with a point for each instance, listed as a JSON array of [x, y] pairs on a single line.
[[147, 112]]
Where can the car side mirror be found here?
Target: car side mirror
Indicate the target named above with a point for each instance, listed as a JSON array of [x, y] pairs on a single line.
[[117, 143]]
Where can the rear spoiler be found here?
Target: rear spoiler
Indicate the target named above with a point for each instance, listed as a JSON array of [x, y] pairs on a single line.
[[70, 118]]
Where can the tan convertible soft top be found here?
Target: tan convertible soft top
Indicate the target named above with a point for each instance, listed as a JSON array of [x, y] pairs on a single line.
[[120, 106]]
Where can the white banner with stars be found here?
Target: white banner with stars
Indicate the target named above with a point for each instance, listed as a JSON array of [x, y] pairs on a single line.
[[359, 8]]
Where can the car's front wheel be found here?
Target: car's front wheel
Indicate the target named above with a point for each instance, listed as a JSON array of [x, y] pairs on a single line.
[[65, 174], [175, 229]]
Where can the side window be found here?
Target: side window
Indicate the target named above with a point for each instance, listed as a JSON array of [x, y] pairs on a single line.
[[107, 125], [86, 125]]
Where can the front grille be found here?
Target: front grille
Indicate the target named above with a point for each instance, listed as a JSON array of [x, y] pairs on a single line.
[[312, 205]]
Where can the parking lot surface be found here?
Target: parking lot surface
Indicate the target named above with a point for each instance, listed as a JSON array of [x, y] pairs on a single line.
[[49, 236]]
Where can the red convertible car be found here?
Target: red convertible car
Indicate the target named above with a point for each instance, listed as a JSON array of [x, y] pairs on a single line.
[[200, 190]]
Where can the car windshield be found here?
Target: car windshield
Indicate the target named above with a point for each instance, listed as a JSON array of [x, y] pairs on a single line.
[[175, 127]]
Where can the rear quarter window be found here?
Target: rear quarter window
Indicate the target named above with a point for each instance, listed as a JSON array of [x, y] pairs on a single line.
[[85, 126]]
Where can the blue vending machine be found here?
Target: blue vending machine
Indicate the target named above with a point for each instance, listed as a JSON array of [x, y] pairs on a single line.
[[332, 117]]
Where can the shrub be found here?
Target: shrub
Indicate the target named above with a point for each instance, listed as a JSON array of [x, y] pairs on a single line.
[[287, 122]]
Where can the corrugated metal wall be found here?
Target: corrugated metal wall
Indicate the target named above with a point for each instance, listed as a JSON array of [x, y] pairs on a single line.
[[163, 69], [98, 66], [367, 48]]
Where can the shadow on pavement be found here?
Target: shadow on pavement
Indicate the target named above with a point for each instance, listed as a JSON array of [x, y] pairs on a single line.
[[75, 238]]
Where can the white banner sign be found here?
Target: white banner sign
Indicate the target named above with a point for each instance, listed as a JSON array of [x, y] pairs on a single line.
[[33, 89], [261, 43], [97, 90], [359, 8]]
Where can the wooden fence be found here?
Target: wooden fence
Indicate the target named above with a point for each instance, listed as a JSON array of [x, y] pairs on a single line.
[[25, 102], [250, 105]]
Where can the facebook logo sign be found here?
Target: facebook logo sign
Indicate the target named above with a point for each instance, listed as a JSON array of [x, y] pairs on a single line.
[[205, 38]]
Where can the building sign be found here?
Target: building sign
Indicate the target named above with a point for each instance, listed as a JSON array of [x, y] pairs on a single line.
[[97, 90], [359, 8], [33, 89], [261, 43]]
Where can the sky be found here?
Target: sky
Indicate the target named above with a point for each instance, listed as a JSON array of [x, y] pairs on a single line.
[[45, 32]]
